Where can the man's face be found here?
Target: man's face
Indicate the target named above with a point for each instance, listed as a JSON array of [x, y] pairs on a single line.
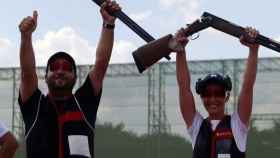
[[214, 98], [60, 75]]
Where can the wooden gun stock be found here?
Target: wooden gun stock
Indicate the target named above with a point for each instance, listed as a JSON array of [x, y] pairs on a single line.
[[150, 53]]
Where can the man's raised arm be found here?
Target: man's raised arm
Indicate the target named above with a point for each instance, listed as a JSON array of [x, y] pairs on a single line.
[[105, 45], [28, 82]]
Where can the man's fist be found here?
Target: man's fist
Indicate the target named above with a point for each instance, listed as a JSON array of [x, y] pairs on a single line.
[[107, 8], [28, 24]]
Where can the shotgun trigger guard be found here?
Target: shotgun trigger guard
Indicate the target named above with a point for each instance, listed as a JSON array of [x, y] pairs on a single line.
[[196, 37]]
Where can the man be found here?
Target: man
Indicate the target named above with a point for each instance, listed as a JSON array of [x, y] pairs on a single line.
[[8, 143], [61, 124], [219, 135]]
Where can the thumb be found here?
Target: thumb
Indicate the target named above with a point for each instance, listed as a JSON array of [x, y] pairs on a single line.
[[35, 16]]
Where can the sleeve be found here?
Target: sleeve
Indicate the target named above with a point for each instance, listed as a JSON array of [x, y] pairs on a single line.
[[194, 128], [240, 131], [3, 130], [29, 108], [88, 101]]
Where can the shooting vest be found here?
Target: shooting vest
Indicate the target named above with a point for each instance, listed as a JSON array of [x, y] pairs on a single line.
[[216, 144], [76, 136]]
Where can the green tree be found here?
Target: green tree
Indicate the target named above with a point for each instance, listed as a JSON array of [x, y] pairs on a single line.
[[264, 143], [114, 141]]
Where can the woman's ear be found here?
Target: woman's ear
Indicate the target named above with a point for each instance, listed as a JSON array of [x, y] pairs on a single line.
[[227, 96], [46, 77]]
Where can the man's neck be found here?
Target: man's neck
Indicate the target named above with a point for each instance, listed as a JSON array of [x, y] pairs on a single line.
[[60, 95]]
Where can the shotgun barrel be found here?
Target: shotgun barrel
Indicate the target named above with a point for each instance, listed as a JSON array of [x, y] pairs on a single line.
[[132, 25], [236, 31]]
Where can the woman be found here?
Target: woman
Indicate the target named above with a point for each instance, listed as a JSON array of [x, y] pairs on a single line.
[[219, 135]]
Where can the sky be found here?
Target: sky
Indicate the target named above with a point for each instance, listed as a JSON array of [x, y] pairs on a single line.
[[74, 26]]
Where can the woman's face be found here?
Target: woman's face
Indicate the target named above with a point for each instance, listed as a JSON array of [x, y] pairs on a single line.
[[214, 98]]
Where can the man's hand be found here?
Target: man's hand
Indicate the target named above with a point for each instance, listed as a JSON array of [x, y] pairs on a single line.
[[9, 146], [249, 38], [29, 80], [179, 41], [28, 24], [107, 8]]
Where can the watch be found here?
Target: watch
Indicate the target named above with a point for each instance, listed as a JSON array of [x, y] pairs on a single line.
[[108, 26]]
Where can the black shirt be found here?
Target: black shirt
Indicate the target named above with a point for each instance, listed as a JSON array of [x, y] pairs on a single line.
[[47, 135]]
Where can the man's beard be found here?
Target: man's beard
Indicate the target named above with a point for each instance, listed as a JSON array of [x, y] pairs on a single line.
[[66, 86]]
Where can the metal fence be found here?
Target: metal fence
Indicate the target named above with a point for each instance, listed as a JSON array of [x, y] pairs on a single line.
[[147, 104]]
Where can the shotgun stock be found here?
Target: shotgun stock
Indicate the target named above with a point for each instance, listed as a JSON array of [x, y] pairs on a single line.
[[150, 53]]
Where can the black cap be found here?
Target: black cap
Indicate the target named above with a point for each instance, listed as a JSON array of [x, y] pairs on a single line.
[[63, 55], [216, 78]]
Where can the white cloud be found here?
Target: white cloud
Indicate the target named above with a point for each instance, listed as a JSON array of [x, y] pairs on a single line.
[[68, 40], [191, 4], [189, 9], [4, 43], [166, 3], [122, 52], [9, 54], [138, 17]]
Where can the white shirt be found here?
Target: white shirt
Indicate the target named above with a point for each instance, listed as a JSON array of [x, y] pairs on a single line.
[[239, 129], [3, 130]]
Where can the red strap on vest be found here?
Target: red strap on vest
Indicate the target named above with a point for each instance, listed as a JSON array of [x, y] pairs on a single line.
[[219, 135], [62, 119]]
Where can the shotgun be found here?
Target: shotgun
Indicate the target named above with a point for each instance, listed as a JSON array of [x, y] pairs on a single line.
[[148, 54]]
